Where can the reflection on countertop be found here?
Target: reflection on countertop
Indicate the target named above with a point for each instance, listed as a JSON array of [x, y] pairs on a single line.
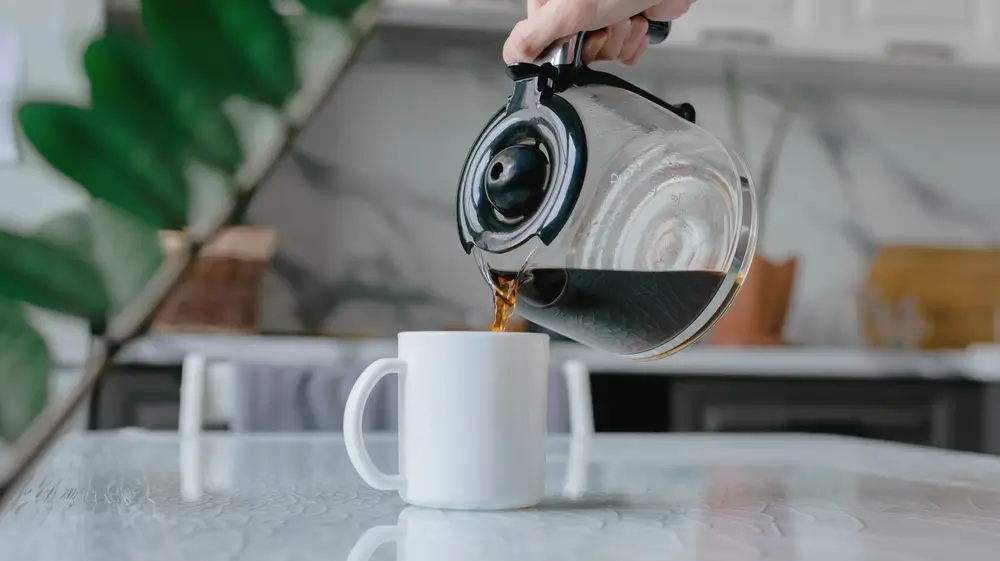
[[637, 497]]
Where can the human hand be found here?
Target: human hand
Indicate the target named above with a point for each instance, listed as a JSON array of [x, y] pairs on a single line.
[[618, 27]]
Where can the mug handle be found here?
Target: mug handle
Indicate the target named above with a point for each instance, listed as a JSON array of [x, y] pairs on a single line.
[[371, 540], [354, 411]]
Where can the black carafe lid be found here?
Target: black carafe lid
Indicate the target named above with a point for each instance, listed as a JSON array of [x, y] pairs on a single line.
[[525, 172]]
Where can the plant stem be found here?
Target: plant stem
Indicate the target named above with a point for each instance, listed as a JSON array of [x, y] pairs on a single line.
[[39, 438]]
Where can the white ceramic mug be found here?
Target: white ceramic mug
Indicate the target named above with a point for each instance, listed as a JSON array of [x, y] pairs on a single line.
[[472, 419]]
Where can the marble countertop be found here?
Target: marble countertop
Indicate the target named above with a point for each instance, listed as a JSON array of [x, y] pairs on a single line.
[[983, 365], [153, 496]]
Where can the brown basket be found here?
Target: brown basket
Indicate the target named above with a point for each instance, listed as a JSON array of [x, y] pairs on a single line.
[[757, 315], [221, 293]]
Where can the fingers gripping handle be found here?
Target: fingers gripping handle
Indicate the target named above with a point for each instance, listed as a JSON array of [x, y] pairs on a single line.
[[571, 50], [354, 412]]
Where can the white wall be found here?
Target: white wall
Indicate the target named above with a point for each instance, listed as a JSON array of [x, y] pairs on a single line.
[[53, 34]]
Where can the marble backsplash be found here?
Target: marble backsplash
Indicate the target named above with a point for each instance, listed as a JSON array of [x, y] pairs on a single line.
[[365, 207]]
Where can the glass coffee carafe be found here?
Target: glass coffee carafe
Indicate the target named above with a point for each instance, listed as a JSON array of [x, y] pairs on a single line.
[[603, 213]]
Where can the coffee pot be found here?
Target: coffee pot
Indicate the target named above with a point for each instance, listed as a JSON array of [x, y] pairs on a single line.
[[622, 224]]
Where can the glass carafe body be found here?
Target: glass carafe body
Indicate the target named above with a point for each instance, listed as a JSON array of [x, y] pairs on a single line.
[[620, 222], [659, 240]]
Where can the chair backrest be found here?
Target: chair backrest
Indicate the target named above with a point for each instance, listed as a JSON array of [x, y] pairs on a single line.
[[258, 397], [290, 398]]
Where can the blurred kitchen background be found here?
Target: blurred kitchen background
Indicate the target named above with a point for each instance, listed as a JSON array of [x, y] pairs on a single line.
[[870, 310]]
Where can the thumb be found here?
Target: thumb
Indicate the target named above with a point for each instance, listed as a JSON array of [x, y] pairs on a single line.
[[545, 24]]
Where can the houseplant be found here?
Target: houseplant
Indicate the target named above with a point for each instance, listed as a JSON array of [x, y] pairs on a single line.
[[184, 125], [757, 315]]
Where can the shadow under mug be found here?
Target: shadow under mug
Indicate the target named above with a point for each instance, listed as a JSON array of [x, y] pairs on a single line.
[[472, 419]]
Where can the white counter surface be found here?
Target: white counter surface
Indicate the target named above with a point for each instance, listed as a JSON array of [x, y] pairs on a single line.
[[137, 495], [768, 362]]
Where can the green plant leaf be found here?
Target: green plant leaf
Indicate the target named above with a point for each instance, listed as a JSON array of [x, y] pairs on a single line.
[[238, 47], [109, 154], [70, 230], [25, 367], [266, 41], [39, 272], [126, 252], [128, 79], [187, 34], [110, 159], [340, 9]]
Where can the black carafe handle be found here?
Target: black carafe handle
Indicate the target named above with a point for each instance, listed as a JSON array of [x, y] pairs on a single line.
[[658, 31], [570, 51]]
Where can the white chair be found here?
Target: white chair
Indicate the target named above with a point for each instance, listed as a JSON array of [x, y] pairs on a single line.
[[194, 377], [208, 395]]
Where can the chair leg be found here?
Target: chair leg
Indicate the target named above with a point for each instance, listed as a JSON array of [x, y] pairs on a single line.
[[581, 405], [193, 385], [192, 486]]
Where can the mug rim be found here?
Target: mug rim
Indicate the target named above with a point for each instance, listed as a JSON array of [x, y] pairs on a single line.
[[477, 334]]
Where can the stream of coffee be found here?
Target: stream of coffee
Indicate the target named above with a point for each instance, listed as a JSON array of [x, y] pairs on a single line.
[[504, 297]]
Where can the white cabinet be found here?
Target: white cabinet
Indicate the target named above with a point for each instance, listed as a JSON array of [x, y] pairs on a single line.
[[961, 30], [943, 30], [759, 14], [751, 23], [473, 15], [954, 43], [919, 19]]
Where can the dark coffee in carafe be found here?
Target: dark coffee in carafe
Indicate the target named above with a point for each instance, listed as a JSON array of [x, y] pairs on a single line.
[[627, 312]]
